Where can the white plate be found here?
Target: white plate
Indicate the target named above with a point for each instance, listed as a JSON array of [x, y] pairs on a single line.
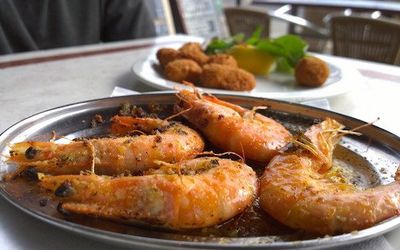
[[276, 86]]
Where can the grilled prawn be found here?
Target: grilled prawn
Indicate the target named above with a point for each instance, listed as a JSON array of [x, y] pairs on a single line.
[[165, 141], [298, 190], [233, 128], [191, 194]]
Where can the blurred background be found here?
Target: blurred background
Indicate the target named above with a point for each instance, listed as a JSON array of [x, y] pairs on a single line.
[[363, 29], [368, 30]]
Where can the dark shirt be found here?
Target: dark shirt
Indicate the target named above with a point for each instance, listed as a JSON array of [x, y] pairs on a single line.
[[42, 24]]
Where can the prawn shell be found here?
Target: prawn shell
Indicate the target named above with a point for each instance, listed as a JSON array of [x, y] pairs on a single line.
[[233, 128], [296, 190], [168, 200], [110, 156]]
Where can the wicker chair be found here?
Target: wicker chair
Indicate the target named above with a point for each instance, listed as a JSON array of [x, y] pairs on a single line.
[[366, 38], [245, 21]]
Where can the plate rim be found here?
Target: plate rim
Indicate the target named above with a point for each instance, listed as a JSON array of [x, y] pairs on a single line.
[[135, 240]]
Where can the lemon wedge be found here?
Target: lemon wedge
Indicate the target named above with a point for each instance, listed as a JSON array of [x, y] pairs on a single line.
[[253, 60]]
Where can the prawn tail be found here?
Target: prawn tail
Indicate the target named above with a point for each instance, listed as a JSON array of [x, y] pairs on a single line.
[[11, 176], [86, 209], [397, 174]]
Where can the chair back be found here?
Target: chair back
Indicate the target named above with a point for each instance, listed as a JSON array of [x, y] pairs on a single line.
[[241, 20], [366, 38]]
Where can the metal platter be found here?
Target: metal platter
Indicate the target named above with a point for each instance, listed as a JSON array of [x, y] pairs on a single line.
[[372, 157]]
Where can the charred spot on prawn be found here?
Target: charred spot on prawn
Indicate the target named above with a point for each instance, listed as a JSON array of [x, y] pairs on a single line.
[[214, 163], [61, 210], [31, 152], [64, 190], [43, 202], [30, 173], [128, 141], [96, 121], [181, 131], [157, 139], [162, 129]]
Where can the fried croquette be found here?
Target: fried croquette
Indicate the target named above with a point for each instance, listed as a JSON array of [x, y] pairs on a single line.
[[223, 59], [182, 70], [191, 46], [167, 55], [226, 77], [311, 71], [194, 52]]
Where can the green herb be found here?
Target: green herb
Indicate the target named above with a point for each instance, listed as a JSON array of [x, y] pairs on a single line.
[[220, 45], [283, 66], [255, 37], [288, 49]]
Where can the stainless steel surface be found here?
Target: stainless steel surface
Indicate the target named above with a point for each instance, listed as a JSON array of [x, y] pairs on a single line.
[[378, 155]]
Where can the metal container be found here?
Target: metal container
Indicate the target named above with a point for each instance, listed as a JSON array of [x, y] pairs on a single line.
[[375, 157]]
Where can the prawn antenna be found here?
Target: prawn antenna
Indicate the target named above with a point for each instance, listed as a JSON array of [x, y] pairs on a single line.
[[13, 175], [211, 153], [137, 131], [365, 125], [310, 147], [179, 113], [342, 132], [53, 135], [252, 113], [195, 90], [169, 167], [180, 97], [186, 83], [93, 155]]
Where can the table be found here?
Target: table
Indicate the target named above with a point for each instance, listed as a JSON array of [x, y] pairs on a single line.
[[383, 6], [36, 81]]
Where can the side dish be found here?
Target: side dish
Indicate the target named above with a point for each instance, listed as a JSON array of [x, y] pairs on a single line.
[[190, 63], [233, 63]]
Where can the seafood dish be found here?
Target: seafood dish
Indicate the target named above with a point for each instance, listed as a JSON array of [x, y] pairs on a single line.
[[205, 166]]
